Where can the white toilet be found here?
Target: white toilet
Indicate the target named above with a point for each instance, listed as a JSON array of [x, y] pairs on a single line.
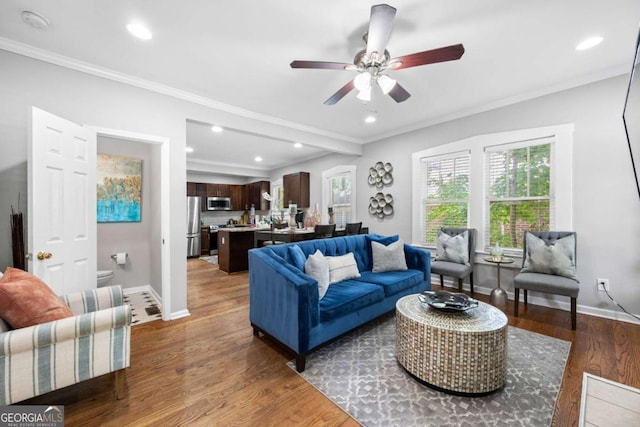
[[104, 277]]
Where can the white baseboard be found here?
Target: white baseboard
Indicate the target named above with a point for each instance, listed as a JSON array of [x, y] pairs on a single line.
[[550, 302], [178, 314]]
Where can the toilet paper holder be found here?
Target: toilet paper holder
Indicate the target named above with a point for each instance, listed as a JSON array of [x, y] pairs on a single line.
[[114, 257]]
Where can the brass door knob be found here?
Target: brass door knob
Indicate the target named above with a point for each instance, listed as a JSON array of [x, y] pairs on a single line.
[[44, 255]]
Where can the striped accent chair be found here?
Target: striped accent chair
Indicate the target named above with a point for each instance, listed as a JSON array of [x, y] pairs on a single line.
[[46, 357]]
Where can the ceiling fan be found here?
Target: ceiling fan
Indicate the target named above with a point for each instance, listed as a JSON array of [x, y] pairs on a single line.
[[372, 62]]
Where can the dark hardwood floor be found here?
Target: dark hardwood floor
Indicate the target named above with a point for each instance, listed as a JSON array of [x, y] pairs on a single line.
[[208, 368]]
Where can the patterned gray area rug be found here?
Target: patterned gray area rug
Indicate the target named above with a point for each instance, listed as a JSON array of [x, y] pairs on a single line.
[[360, 374]]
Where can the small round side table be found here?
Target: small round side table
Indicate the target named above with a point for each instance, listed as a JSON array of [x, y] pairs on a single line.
[[498, 295]]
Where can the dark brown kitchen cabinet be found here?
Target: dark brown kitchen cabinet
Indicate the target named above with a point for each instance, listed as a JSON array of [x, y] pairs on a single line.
[[218, 190], [296, 189], [254, 195], [201, 191], [204, 241], [191, 189], [238, 196]]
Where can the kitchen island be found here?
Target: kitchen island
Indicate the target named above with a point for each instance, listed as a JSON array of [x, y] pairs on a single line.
[[233, 246]]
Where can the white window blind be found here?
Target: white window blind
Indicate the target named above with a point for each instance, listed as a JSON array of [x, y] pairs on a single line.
[[340, 198], [445, 193], [519, 191]]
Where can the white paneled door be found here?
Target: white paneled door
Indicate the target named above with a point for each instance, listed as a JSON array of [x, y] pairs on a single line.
[[62, 203]]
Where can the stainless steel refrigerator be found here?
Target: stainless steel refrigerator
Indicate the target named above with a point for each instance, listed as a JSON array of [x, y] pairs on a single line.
[[193, 226]]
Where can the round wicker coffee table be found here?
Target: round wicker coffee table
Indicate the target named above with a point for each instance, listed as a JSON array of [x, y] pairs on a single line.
[[460, 352]]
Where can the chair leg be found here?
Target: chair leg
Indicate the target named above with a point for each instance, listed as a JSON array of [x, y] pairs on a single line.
[[121, 379], [459, 284], [441, 282], [471, 282], [525, 297], [573, 313], [516, 301]]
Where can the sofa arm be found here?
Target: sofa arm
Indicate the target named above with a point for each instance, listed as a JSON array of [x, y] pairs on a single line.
[[70, 328], [418, 259], [283, 301], [94, 299]]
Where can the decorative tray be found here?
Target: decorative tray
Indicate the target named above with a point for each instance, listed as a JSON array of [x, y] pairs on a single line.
[[447, 301]]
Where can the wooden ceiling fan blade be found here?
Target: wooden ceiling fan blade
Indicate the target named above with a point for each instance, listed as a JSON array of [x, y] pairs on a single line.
[[380, 25], [320, 65], [398, 93], [340, 93], [443, 54]]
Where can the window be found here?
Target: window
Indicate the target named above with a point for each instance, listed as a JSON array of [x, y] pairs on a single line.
[[277, 196], [445, 193], [338, 193], [519, 191], [509, 182]]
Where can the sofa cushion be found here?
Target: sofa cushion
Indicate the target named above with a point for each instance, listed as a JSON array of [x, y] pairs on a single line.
[[393, 281], [342, 267], [388, 258], [26, 300], [347, 297], [297, 257], [317, 267]]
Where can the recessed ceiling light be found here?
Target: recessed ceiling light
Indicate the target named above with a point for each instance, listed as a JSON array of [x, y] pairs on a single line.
[[589, 43], [140, 31], [34, 20], [370, 119], [189, 149], [216, 129], [297, 145], [258, 159]]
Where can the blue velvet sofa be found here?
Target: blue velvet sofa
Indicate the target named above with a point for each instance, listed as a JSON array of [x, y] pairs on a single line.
[[284, 301]]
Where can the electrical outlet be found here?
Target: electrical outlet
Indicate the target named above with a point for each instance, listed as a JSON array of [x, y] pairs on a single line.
[[603, 284]]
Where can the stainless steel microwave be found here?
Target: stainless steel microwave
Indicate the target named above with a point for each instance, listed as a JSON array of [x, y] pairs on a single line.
[[218, 203]]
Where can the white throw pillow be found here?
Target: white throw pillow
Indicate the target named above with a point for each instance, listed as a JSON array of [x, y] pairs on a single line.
[[453, 248], [342, 268], [388, 258], [317, 267]]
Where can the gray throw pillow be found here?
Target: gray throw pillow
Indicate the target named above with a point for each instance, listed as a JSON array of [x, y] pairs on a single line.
[[453, 248], [342, 267], [558, 258], [388, 258]]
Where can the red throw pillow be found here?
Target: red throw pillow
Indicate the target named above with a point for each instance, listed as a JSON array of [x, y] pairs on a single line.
[[26, 300]]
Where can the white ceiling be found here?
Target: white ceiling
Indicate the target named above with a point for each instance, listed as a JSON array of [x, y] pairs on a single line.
[[236, 54]]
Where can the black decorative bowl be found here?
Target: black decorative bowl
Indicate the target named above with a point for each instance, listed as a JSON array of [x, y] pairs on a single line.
[[447, 301]]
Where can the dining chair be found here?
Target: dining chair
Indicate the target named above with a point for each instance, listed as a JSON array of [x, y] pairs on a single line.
[[352, 228], [323, 231]]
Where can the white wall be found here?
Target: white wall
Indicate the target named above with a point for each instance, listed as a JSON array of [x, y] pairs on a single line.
[[135, 238], [606, 213]]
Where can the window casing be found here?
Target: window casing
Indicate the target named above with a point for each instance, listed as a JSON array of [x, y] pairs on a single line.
[[560, 215]]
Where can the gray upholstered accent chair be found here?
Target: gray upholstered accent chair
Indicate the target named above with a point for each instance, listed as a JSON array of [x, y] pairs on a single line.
[[546, 282], [455, 270]]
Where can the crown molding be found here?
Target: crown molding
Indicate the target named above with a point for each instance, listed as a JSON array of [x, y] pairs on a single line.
[[569, 84], [88, 68]]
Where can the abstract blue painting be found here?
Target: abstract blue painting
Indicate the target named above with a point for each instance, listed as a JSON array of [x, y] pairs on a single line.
[[119, 186]]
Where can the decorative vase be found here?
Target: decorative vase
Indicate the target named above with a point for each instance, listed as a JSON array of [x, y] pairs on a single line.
[[497, 252]]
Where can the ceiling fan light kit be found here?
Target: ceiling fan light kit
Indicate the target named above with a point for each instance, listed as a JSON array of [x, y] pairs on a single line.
[[371, 64]]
